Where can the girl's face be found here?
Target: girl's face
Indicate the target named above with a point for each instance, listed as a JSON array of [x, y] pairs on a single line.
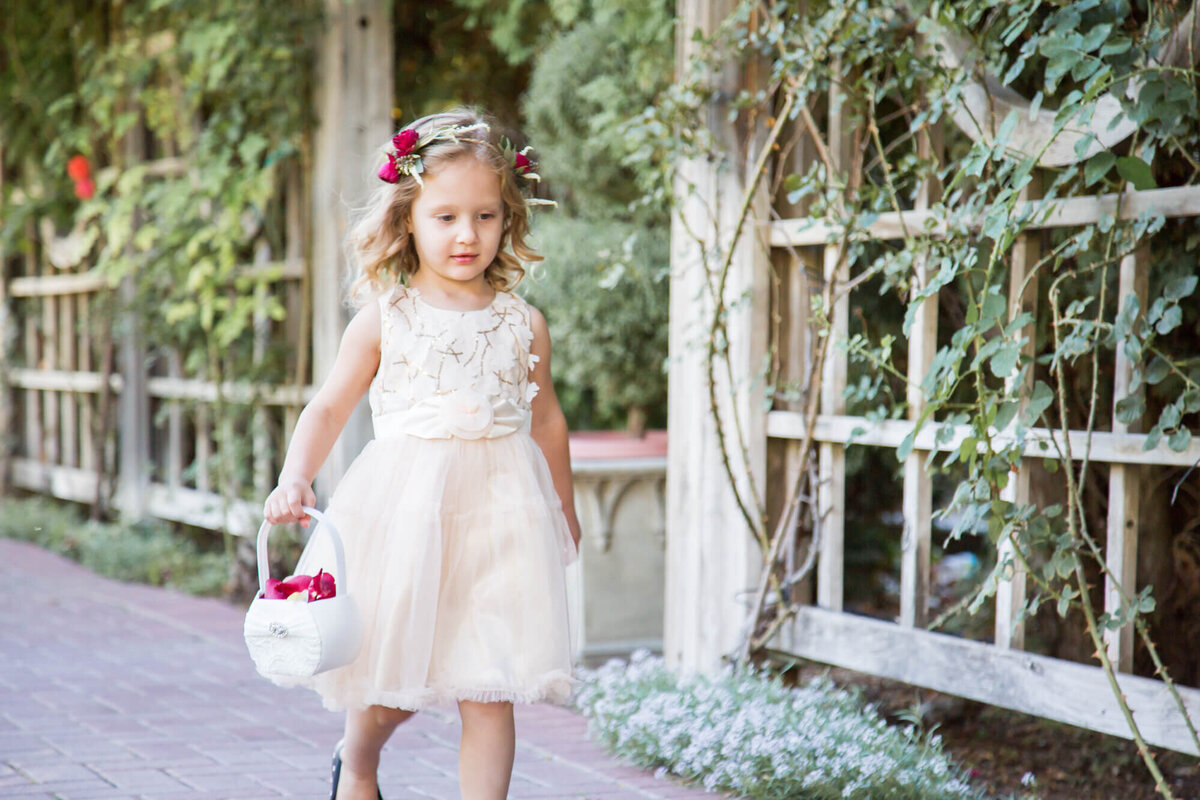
[[457, 221]]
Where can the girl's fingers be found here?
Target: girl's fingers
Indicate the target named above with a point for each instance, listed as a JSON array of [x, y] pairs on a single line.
[[295, 501], [285, 505]]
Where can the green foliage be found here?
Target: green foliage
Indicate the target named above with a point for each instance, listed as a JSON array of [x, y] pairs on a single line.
[[587, 83], [745, 732], [602, 290], [446, 55], [604, 286], [224, 86], [892, 91], [145, 553], [191, 117]]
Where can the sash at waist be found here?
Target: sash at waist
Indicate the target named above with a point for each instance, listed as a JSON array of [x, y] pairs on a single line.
[[465, 414]]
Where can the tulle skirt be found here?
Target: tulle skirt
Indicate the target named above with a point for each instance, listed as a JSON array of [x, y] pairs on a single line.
[[455, 552]]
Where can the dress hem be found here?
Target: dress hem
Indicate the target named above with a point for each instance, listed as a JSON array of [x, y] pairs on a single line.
[[554, 688]]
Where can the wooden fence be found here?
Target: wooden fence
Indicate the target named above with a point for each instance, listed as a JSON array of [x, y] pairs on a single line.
[[96, 413], [712, 562], [103, 412]]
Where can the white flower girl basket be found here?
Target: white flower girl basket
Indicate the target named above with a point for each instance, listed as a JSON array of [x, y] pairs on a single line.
[[287, 638]]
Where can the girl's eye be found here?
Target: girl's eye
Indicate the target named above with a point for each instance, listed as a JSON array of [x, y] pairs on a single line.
[[487, 215], [445, 218]]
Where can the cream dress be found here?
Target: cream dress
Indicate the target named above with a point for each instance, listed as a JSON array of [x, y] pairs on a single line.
[[455, 538]]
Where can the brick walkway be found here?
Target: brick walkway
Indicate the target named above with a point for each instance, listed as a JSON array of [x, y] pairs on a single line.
[[112, 690]]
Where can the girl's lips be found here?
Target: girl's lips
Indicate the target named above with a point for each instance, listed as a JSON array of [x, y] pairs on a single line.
[[464, 257]]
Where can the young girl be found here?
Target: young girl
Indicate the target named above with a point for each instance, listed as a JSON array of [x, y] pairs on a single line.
[[457, 518]]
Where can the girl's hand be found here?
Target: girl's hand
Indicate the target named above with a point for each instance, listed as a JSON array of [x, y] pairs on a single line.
[[283, 504]]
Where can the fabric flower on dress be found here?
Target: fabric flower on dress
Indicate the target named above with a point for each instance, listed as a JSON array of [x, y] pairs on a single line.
[[531, 391], [490, 384], [467, 414]]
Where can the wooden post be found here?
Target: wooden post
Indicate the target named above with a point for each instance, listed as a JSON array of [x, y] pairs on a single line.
[[790, 312], [133, 416], [1022, 297], [263, 478], [1124, 481], [7, 334], [34, 442], [133, 403], [88, 457], [712, 560], [68, 427], [831, 496], [918, 484], [174, 449], [299, 298], [354, 104]]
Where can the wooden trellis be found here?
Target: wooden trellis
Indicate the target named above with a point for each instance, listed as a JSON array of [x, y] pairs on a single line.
[[712, 562], [163, 459]]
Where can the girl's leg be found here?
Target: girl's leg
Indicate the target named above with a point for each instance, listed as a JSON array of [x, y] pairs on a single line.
[[485, 752], [366, 733]]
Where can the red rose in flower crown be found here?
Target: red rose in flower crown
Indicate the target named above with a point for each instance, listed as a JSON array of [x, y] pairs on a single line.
[[405, 141], [388, 172], [522, 164]]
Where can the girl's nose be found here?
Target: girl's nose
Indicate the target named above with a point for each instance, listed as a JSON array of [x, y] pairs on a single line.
[[466, 233]]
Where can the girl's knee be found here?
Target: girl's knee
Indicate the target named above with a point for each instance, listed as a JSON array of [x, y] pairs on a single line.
[[384, 716], [498, 711]]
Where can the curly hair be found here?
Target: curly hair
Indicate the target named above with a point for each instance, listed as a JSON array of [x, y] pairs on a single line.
[[380, 243]]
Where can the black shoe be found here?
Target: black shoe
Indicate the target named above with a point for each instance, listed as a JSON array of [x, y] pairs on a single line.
[[336, 769], [336, 772]]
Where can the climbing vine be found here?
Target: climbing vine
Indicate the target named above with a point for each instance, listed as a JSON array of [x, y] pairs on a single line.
[[155, 136], [1002, 374]]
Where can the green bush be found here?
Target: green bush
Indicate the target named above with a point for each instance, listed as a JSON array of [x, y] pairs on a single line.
[[603, 292], [149, 552], [604, 286], [747, 733]]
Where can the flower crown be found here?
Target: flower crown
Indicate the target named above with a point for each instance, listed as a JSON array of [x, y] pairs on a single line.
[[405, 158]]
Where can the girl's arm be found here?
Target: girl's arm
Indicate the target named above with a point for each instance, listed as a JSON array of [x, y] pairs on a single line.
[[548, 426], [323, 418]]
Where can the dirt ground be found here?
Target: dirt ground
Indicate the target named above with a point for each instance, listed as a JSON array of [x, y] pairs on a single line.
[[1001, 747]]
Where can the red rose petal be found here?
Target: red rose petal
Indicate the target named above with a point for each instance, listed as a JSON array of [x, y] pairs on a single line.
[[322, 586], [275, 590], [296, 583]]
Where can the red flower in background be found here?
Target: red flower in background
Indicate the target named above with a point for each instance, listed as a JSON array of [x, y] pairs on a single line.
[[79, 169]]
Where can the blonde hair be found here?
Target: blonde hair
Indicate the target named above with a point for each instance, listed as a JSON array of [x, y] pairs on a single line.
[[380, 242]]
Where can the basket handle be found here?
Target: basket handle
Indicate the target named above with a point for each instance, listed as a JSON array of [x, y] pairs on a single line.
[[323, 524]]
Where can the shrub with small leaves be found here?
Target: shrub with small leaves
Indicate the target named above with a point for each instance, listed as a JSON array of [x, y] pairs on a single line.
[[148, 552], [744, 731]]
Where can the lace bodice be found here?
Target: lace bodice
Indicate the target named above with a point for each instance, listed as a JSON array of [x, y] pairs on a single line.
[[449, 373]]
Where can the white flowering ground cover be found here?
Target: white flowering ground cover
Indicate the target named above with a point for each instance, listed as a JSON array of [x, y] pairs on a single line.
[[747, 734]]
